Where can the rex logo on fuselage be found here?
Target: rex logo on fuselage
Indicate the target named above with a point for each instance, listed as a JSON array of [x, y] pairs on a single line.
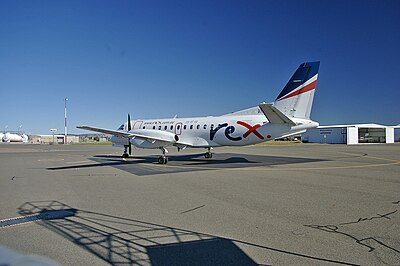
[[229, 130]]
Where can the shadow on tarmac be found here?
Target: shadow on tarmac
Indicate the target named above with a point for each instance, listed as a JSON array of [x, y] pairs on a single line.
[[148, 165], [119, 240]]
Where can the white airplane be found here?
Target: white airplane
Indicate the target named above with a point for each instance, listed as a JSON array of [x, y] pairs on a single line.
[[289, 114], [12, 137]]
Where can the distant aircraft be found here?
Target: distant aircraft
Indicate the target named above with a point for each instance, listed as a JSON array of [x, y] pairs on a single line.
[[11, 137], [289, 114]]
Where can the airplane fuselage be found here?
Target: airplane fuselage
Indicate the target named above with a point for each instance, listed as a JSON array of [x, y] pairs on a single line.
[[203, 132]]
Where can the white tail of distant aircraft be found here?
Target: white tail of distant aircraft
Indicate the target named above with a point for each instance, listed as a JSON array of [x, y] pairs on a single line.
[[289, 114]]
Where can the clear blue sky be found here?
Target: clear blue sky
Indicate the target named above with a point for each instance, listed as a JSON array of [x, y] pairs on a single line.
[[155, 59]]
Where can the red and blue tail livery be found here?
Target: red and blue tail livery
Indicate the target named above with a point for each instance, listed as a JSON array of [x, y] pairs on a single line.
[[295, 100]]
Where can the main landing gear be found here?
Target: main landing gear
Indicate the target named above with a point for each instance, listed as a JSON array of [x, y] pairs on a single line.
[[163, 159], [208, 154], [125, 154]]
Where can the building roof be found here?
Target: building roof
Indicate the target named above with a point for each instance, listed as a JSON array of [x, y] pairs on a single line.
[[356, 125]]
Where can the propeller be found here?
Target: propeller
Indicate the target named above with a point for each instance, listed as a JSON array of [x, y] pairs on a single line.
[[129, 129]]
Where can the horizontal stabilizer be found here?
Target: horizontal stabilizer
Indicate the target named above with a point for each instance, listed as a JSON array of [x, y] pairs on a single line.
[[275, 116]]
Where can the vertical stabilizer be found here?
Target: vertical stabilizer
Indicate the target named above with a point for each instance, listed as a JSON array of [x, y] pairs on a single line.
[[296, 98]]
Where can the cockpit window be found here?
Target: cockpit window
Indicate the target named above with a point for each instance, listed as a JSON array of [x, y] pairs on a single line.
[[121, 127]]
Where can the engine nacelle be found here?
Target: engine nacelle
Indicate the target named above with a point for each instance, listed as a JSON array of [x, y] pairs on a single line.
[[119, 141], [170, 139]]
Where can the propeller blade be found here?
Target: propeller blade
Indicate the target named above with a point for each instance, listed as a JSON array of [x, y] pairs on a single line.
[[129, 122], [129, 129]]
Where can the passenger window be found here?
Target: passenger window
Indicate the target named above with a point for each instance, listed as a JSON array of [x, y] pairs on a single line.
[[165, 128], [172, 127], [154, 127], [191, 126], [144, 127], [178, 127], [205, 126], [159, 128], [184, 127], [212, 126], [198, 126]]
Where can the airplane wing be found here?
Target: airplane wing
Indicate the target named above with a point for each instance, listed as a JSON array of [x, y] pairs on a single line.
[[106, 131], [149, 135], [275, 116]]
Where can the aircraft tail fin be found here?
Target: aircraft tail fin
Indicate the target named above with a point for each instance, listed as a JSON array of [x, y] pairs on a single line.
[[296, 98]]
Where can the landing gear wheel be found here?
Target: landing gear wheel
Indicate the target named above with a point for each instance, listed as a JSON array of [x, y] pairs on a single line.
[[125, 155], [162, 160], [208, 155]]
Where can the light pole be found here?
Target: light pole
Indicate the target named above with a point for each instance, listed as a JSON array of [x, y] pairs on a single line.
[[65, 120]]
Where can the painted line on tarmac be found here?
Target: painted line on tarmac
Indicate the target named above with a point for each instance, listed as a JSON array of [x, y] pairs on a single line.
[[269, 168], [79, 162], [50, 160], [373, 157]]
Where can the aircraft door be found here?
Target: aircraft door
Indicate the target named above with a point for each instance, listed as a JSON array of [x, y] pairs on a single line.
[[178, 128], [138, 125]]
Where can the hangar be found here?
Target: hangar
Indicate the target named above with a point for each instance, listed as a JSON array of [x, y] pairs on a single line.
[[350, 134], [397, 133]]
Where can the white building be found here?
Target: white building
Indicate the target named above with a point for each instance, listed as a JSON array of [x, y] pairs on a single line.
[[57, 138], [351, 134]]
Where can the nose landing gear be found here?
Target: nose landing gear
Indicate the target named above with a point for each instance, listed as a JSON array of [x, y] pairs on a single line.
[[129, 146]]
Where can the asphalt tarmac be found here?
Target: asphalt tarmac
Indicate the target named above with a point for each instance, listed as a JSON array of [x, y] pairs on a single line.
[[302, 204]]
